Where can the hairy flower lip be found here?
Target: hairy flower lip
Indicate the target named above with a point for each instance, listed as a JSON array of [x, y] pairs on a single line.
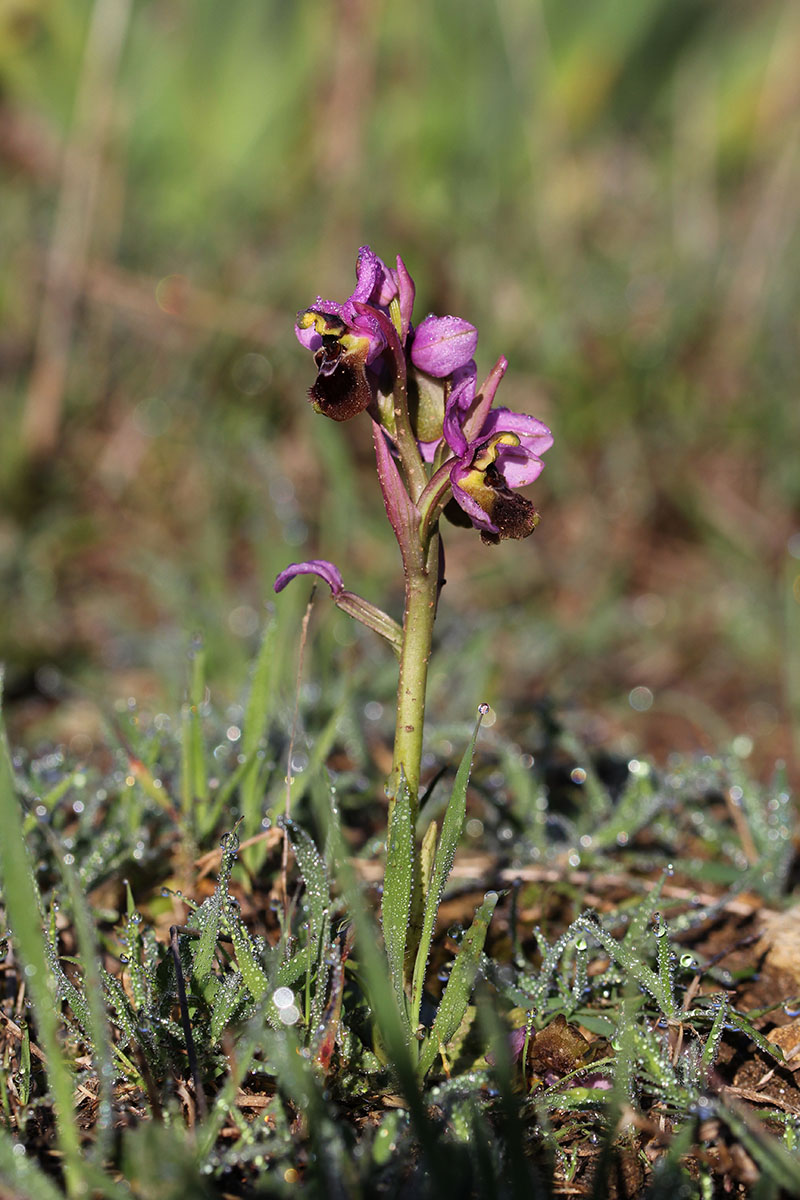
[[459, 402]]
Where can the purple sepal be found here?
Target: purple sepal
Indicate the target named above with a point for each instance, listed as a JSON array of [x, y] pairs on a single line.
[[516, 1040], [375, 282], [596, 1080], [315, 566], [521, 464], [428, 450], [473, 424], [443, 344], [533, 433], [407, 291], [462, 394], [369, 269]]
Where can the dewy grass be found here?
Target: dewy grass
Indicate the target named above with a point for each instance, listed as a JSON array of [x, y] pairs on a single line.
[[276, 1043], [24, 917], [345, 1008]]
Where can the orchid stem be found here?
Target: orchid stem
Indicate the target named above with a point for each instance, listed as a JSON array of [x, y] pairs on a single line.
[[422, 586], [420, 612]]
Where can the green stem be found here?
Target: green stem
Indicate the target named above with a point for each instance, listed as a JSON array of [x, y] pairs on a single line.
[[420, 613], [422, 583]]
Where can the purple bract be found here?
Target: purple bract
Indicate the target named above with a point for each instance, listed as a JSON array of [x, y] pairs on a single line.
[[314, 566]]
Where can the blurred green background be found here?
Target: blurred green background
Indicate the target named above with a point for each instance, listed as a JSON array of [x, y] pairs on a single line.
[[608, 190]]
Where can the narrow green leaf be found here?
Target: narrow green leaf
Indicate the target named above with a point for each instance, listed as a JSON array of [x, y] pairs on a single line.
[[778, 1164], [139, 981], [737, 1020], [25, 1066], [665, 959], [396, 904], [316, 1007], [455, 998], [209, 915], [291, 970], [636, 808], [257, 716], [229, 993], [644, 975], [641, 918], [255, 977], [194, 778], [452, 825], [389, 1023], [315, 876], [209, 918], [427, 857], [96, 1018], [50, 799], [262, 691], [16, 871], [125, 1014], [714, 1038], [66, 990]]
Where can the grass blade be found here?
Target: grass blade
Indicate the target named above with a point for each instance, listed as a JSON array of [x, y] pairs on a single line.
[[96, 1014], [257, 717], [22, 906]]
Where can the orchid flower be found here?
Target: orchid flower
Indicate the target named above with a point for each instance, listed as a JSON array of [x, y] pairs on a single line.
[[505, 456], [494, 452], [347, 339]]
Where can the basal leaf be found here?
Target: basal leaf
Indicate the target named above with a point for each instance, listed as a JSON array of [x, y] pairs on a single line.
[[455, 998], [397, 885], [452, 825]]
